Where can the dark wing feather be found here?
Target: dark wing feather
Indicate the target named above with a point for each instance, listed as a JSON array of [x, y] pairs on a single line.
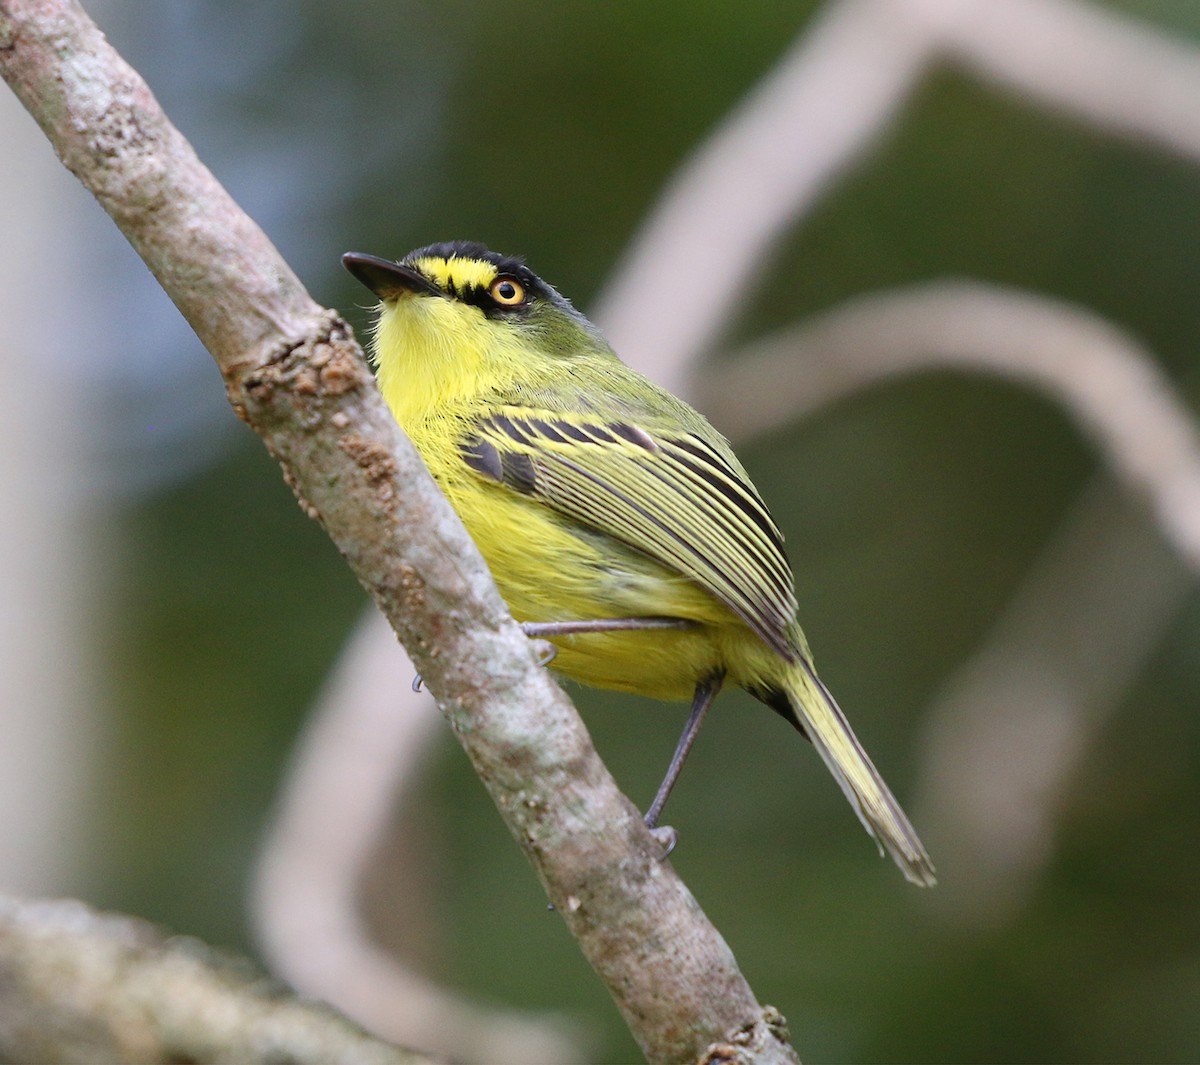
[[673, 495]]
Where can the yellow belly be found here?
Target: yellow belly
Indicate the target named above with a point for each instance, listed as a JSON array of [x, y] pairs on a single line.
[[547, 570]]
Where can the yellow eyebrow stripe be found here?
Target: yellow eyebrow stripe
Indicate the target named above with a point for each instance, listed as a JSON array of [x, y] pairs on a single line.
[[459, 274]]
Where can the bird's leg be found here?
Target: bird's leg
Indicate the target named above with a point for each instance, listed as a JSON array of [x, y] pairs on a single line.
[[544, 630], [706, 692]]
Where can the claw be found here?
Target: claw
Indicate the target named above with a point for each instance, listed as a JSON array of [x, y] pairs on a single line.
[[666, 837]]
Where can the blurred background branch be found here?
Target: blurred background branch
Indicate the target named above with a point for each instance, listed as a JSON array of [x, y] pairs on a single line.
[[82, 986], [1105, 382]]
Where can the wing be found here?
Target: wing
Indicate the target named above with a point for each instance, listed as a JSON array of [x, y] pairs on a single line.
[[675, 496]]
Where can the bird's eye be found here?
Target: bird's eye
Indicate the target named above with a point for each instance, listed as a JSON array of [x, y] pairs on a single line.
[[507, 291]]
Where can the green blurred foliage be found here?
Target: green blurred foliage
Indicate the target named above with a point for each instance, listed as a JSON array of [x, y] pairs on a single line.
[[911, 510]]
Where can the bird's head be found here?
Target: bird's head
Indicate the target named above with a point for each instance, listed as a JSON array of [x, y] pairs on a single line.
[[460, 302]]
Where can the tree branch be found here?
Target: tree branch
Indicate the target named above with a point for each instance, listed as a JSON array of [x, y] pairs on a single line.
[[363, 741], [76, 985], [294, 373]]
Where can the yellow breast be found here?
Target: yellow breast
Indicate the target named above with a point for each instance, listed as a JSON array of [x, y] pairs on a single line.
[[545, 568]]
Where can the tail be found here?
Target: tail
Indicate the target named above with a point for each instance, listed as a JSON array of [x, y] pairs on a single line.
[[823, 722]]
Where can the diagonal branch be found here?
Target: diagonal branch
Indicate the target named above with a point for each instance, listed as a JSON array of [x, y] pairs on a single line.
[[350, 764], [294, 373]]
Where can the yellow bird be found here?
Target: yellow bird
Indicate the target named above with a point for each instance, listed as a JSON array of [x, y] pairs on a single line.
[[617, 522]]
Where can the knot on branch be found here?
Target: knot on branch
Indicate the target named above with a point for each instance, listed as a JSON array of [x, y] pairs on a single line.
[[309, 382], [298, 376], [766, 1038]]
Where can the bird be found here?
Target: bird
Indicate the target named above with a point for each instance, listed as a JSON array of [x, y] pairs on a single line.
[[618, 524]]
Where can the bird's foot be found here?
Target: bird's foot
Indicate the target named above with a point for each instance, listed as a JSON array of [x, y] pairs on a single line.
[[666, 837]]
